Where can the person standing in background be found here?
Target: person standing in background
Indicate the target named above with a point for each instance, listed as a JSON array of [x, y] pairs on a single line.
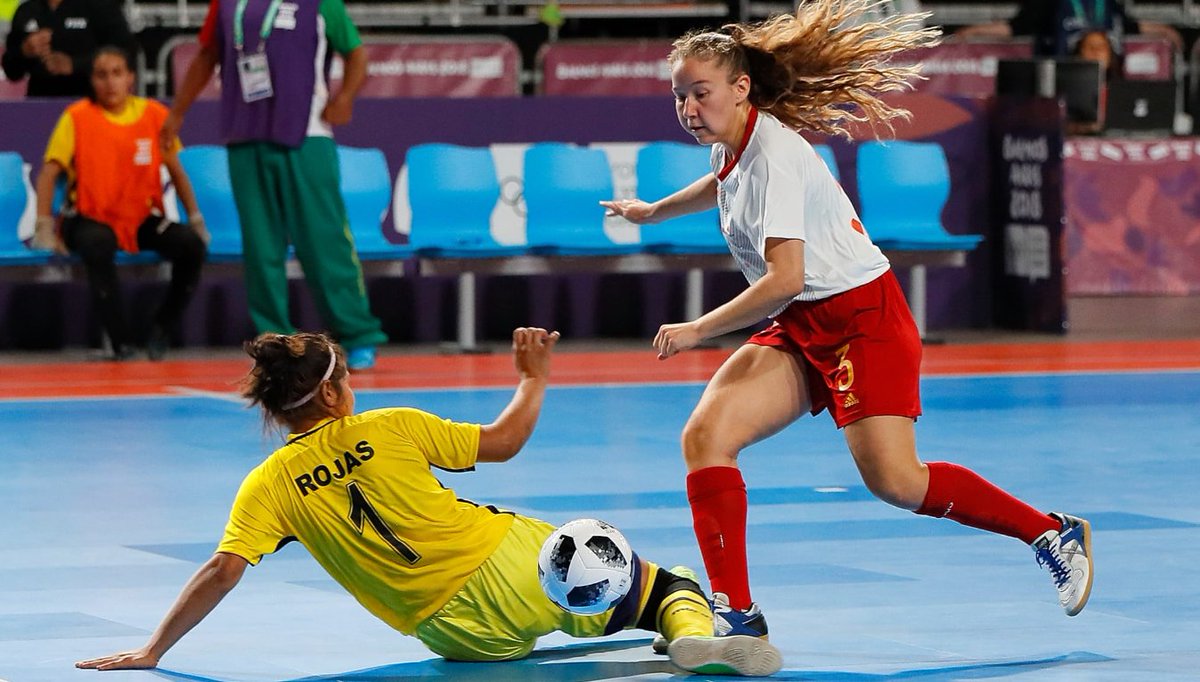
[[277, 116], [53, 42]]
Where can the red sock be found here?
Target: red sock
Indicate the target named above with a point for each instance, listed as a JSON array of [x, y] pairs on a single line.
[[959, 494], [718, 499]]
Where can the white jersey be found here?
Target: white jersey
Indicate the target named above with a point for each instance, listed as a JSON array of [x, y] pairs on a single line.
[[777, 186]]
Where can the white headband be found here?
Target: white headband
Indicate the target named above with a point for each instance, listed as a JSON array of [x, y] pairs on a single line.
[[328, 373]]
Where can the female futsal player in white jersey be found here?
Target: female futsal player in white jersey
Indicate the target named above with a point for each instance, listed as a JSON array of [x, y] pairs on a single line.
[[842, 337]]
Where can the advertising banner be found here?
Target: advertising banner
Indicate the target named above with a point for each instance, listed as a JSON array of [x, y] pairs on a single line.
[[1132, 218], [488, 67], [606, 68]]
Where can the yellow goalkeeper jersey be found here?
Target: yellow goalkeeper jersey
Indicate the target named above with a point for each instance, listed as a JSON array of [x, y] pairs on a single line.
[[360, 494]]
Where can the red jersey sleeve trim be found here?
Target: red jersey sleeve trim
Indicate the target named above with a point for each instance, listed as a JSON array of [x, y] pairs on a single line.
[[750, 121]]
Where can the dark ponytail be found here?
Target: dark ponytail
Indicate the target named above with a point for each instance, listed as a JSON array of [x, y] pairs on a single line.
[[288, 371]]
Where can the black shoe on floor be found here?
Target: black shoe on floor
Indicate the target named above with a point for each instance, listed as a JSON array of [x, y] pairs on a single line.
[[119, 354], [157, 343]]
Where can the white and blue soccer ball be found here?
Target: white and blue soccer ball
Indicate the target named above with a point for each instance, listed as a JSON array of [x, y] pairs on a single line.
[[586, 566]]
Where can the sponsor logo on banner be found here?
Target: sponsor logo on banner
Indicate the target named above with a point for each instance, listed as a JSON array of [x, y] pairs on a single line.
[[1120, 151]]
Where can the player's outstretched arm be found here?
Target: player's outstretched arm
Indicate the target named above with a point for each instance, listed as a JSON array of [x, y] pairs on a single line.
[[701, 195], [199, 596], [783, 282], [504, 437]]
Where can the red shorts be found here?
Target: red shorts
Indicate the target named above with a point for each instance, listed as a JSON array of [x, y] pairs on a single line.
[[861, 349]]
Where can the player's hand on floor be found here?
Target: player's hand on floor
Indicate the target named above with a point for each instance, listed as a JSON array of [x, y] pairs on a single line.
[[126, 660], [531, 351]]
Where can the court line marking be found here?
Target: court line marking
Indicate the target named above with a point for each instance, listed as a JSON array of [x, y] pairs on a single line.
[[226, 396], [175, 391]]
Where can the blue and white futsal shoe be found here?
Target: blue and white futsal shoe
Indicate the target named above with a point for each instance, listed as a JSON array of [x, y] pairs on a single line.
[[730, 621], [360, 359], [1067, 554]]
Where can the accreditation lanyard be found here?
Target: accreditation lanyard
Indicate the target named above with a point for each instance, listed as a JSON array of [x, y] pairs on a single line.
[[253, 73], [1097, 18]]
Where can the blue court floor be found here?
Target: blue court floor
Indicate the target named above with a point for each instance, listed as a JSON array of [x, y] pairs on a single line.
[[108, 505]]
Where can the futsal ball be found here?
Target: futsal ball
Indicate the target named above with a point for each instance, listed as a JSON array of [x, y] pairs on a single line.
[[586, 566]]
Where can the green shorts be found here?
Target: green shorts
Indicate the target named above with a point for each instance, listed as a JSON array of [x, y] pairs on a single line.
[[501, 611]]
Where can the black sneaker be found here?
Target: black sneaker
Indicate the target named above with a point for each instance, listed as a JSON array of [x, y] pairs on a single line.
[[118, 354], [157, 343]]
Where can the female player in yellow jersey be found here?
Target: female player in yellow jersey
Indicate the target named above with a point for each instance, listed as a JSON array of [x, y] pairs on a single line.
[[358, 491]]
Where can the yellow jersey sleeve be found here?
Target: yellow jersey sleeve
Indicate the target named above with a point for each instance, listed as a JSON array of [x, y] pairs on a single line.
[[446, 444], [61, 148], [254, 527]]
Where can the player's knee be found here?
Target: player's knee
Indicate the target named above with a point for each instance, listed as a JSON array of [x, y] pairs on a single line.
[[195, 249], [706, 445], [898, 489], [96, 249]]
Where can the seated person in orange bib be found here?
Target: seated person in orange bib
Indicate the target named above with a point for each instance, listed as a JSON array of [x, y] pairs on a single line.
[[108, 147], [359, 492]]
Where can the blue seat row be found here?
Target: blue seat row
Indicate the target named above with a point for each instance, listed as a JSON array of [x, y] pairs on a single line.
[[16, 205], [366, 188], [13, 199], [454, 190], [902, 188]]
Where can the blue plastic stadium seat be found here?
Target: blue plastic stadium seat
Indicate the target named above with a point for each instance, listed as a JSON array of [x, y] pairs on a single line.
[[664, 168], [826, 154], [902, 188], [452, 191], [207, 166], [13, 199], [366, 185], [564, 185]]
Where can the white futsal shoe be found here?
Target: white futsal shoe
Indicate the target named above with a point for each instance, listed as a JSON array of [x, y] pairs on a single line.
[[729, 655], [1067, 554]]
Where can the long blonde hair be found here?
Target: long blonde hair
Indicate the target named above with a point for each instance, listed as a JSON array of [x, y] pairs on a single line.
[[817, 70]]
